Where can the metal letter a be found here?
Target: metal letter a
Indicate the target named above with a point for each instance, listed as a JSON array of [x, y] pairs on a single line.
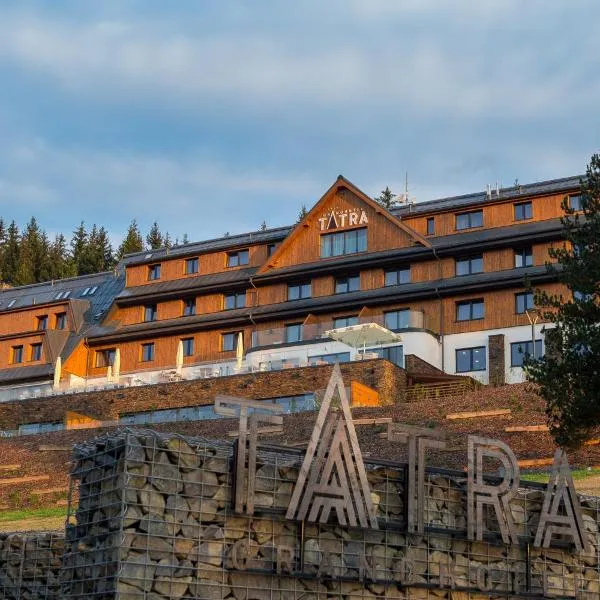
[[333, 477]]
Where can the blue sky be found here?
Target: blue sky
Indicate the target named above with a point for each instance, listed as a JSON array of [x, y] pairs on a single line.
[[214, 115]]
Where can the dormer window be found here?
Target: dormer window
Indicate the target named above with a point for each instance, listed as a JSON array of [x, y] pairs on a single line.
[[469, 220], [61, 320], [575, 202], [42, 323], [150, 312], [153, 272]]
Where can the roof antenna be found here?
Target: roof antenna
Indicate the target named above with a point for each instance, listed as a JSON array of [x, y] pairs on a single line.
[[488, 192], [497, 188]]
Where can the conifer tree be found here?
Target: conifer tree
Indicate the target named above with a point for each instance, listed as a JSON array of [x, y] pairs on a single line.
[[386, 198], [302, 214], [132, 242], [105, 252], [60, 263], [79, 243], [11, 254], [569, 375], [167, 243], [154, 239]]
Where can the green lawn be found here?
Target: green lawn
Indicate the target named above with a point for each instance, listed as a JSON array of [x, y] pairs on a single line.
[[576, 474], [19, 515]]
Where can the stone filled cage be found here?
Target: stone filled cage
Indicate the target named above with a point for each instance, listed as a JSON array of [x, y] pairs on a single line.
[[155, 521], [30, 565]]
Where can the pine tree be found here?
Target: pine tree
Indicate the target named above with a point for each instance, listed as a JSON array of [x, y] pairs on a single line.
[[386, 198], [60, 263], [105, 251], [167, 241], [569, 375], [33, 257], [11, 254], [302, 214], [79, 243], [154, 239], [132, 242]]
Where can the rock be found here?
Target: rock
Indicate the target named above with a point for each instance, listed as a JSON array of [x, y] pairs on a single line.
[[172, 587], [217, 465], [266, 478], [246, 586], [154, 526], [205, 589], [151, 501], [182, 454], [182, 547], [156, 548], [312, 553], [200, 483], [203, 509], [166, 477], [211, 552], [138, 571], [283, 495], [166, 567], [236, 528], [132, 515], [178, 507], [265, 529]]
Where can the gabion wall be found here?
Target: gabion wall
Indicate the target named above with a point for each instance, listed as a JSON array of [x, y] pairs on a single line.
[[30, 565], [155, 521]]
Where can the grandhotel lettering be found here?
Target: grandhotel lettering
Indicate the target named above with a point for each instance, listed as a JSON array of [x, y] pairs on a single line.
[[332, 481], [343, 218]]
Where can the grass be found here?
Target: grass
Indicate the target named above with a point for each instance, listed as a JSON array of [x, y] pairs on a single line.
[[577, 474], [19, 515]]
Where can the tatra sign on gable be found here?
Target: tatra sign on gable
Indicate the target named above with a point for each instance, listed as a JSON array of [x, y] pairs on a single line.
[[349, 217]]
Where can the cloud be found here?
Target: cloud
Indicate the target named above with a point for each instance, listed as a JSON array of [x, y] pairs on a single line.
[[454, 72]]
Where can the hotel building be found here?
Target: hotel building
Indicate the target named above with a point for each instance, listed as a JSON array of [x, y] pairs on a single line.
[[442, 280]]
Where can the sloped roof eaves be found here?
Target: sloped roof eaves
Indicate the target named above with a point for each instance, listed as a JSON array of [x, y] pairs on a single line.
[[406, 292], [224, 243], [201, 282], [26, 373], [457, 202]]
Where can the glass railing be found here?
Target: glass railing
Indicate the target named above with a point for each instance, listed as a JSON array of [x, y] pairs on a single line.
[[311, 331]]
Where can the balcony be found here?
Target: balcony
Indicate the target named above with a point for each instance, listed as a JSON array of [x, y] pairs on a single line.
[[314, 331]]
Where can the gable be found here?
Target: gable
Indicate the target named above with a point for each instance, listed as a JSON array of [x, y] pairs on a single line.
[[343, 208]]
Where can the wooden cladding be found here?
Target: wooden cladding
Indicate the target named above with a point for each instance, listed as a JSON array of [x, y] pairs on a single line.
[[175, 267], [26, 319], [497, 214]]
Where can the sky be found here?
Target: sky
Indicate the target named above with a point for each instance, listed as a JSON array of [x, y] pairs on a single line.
[[212, 116]]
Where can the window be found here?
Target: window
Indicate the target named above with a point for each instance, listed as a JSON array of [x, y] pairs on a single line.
[[42, 322], [85, 292], [17, 354], [520, 350], [90, 291], [191, 265], [343, 242], [66, 294], [271, 249], [12, 302], [229, 341], [153, 272], [331, 359], [293, 333], [523, 257], [296, 291], [345, 321], [347, 283], [150, 312], [45, 427], [397, 319], [189, 307], [470, 359], [430, 225], [105, 358], [575, 203], [469, 220], [470, 310], [523, 302], [61, 320], [237, 259], [148, 352], [188, 346], [469, 265], [36, 352], [234, 300], [523, 211], [397, 276], [395, 354]]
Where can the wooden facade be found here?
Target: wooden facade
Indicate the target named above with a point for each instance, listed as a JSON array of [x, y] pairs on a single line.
[[391, 241]]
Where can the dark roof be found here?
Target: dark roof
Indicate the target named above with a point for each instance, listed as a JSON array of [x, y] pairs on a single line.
[[26, 373], [223, 243], [409, 292], [108, 285], [551, 186], [196, 283]]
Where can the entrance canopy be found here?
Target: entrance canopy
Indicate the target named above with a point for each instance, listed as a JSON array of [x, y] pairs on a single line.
[[365, 334]]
